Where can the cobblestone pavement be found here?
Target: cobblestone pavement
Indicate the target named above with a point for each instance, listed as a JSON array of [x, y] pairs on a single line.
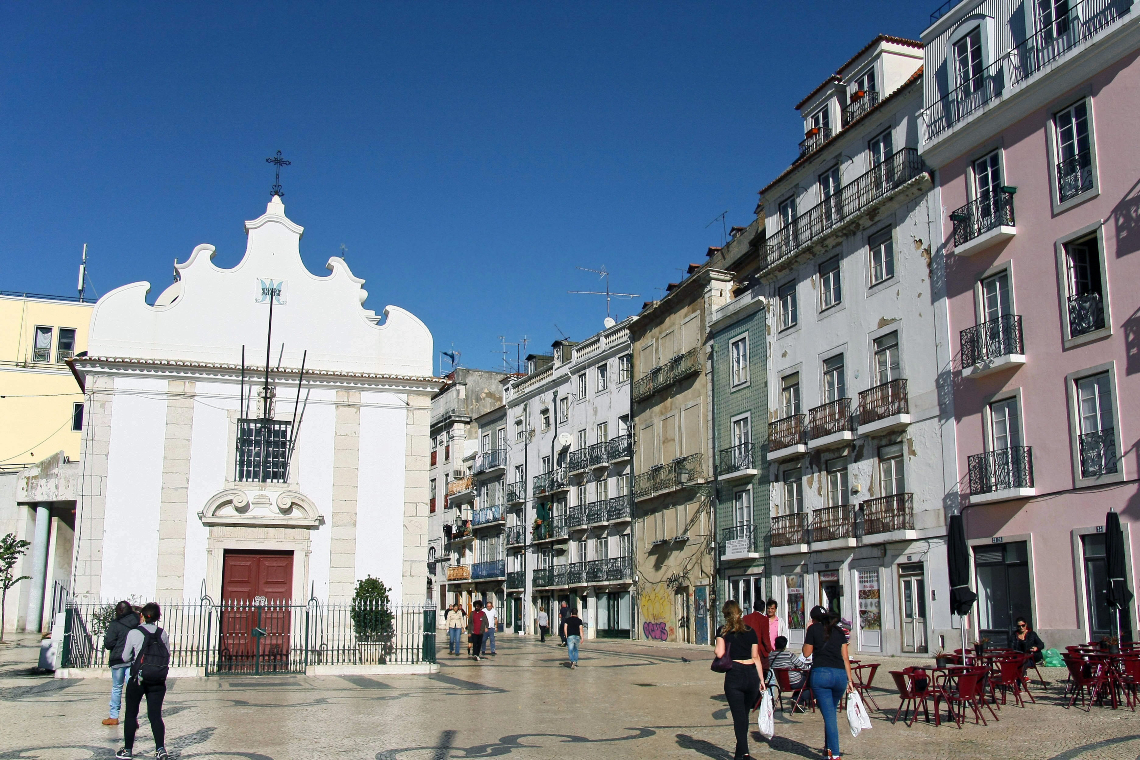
[[625, 700]]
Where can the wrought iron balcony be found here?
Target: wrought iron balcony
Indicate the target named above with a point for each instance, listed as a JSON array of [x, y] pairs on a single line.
[[1098, 453], [886, 400], [595, 512], [597, 454], [516, 535], [854, 198], [488, 515], [676, 369], [859, 105], [1074, 176], [832, 523], [484, 570], [1001, 470], [576, 516], [619, 448], [608, 570], [1039, 52], [516, 579], [556, 575], [552, 528], [786, 432], [814, 139], [992, 339], [679, 473], [886, 514], [829, 419], [1086, 314], [492, 460], [462, 485], [790, 530], [458, 532], [619, 508], [982, 215], [516, 492], [576, 574], [743, 541], [549, 482], [459, 572], [263, 451], [736, 458], [578, 460]]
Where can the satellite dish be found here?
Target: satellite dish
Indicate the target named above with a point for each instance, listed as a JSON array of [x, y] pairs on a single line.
[[609, 322], [564, 440]]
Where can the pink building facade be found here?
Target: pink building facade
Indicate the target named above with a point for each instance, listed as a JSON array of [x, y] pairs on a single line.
[[1030, 123]]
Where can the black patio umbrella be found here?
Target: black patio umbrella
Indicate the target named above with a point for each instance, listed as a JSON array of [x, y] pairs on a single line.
[[1117, 595], [961, 597]]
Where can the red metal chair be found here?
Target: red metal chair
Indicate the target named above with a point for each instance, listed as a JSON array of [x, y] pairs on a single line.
[[966, 691], [913, 692], [1011, 677], [797, 693], [1129, 679], [1087, 678], [863, 684]]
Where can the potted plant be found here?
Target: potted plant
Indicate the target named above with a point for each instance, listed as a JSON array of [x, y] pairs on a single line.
[[372, 621], [1110, 644], [940, 659], [980, 646], [813, 132], [858, 94]]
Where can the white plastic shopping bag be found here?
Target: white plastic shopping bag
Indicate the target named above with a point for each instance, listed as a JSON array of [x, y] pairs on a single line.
[[766, 721], [857, 717]]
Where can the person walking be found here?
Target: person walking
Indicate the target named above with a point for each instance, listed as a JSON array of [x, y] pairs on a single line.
[[114, 640], [572, 626], [758, 622], [563, 611], [148, 651], [826, 643], [454, 629], [742, 682], [776, 627], [543, 621], [492, 622], [478, 629]]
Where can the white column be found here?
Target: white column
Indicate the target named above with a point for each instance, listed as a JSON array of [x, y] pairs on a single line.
[[39, 567]]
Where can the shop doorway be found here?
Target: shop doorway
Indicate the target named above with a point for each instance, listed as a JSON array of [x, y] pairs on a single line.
[[869, 615], [831, 592], [912, 594]]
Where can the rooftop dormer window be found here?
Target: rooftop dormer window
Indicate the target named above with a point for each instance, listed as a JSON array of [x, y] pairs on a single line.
[[818, 130], [862, 97], [820, 119]]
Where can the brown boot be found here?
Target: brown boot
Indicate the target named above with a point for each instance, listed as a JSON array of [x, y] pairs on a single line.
[[110, 721]]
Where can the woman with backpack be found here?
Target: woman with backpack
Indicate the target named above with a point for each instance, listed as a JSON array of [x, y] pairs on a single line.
[[148, 651]]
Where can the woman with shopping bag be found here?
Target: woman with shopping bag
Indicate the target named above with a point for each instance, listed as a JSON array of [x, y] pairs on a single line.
[[738, 657], [826, 643]]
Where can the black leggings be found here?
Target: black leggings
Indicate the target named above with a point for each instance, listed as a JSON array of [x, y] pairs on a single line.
[[154, 696], [742, 689]]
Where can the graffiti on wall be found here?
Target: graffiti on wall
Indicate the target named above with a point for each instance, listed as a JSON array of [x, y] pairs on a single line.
[[657, 621]]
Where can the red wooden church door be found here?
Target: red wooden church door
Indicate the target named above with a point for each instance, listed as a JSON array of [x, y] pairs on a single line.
[[256, 591]]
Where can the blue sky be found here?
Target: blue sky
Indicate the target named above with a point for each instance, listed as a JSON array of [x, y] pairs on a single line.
[[468, 155]]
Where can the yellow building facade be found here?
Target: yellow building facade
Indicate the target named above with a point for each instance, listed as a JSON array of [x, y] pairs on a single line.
[[41, 404]]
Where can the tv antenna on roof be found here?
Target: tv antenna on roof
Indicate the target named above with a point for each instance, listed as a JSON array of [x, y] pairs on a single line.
[[560, 332], [603, 274], [723, 227]]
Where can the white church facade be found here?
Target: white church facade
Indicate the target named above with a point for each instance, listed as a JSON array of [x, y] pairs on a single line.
[[256, 432]]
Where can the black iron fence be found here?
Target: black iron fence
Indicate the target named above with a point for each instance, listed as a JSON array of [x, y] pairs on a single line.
[[814, 139], [578, 460], [664, 375], [884, 400], [516, 579], [679, 473], [265, 636], [1074, 176], [516, 535], [596, 455], [553, 527], [786, 432], [859, 106], [887, 513], [263, 451], [491, 460], [1001, 470], [736, 458], [830, 418], [979, 216], [1098, 453], [516, 492], [619, 448], [992, 339]]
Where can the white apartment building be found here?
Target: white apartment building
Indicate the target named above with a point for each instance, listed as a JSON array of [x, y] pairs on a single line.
[[856, 315]]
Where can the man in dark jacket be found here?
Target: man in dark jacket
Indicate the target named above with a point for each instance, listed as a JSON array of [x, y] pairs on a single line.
[[563, 613], [126, 620]]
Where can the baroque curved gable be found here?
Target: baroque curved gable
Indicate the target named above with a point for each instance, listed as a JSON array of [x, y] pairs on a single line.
[[269, 509]]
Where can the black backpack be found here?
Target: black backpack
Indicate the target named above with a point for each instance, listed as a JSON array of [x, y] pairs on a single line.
[[152, 663]]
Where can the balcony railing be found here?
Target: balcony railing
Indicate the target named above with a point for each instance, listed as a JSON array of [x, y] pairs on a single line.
[[554, 527], [991, 339], [487, 515], [1098, 453], [516, 535], [619, 448], [887, 513], [747, 531], [578, 460], [736, 458], [832, 523], [619, 508], [576, 574], [516, 492], [982, 215], [462, 485], [595, 512], [263, 451], [596, 454], [859, 106], [886, 400], [576, 516], [852, 199], [789, 530], [814, 139], [828, 419], [1086, 313], [556, 575], [1001, 470], [679, 473], [609, 570], [664, 375], [548, 482], [496, 568], [459, 572], [1074, 176], [491, 460], [1040, 51], [786, 432], [457, 532], [516, 579]]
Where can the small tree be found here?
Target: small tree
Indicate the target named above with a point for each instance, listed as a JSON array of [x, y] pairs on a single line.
[[372, 611], [11, 549]]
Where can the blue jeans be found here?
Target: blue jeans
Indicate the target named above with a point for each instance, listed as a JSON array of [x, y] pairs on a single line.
[[489, 641], [453, 638], [118, 678], [572, 647], [828, 685]]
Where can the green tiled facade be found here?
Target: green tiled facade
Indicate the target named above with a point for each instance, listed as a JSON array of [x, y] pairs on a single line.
[[729, 403]]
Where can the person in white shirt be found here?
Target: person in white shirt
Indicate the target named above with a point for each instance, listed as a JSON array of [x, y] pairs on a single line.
[[492, 622], [543, 621]]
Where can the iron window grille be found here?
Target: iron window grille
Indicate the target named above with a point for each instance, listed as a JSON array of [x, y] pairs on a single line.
[[263, 451], [1001, 470], [982, 215], [991, 339], [882, 401], [1086, 314], [737, 458], [1098, 453]]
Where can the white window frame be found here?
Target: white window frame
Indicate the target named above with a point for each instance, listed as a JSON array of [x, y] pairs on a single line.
[[799, 392], [747, 419], [50, 344], [739, 374], [1075, 426], [987, 418], [887, 234], [1053, 141], [972, 175], [582, 386], [979, 292], [788, 288], [844, 493], [750, 507], [625, 368], [838, 285], [74, 341], [965, 28], [1063, 285], [787, 507], [602, 377]]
